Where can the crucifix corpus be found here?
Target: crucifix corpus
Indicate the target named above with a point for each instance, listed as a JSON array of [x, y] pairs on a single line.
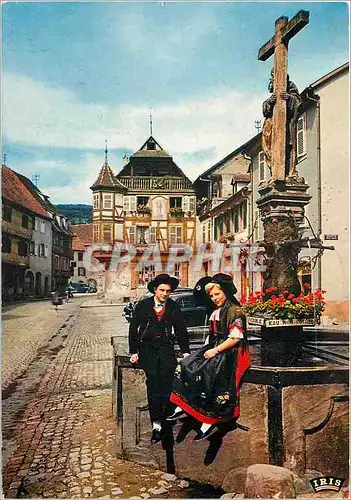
[[280, 156]]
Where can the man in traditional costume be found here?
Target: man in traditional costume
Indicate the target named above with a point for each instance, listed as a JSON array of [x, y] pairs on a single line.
[[151, 345]]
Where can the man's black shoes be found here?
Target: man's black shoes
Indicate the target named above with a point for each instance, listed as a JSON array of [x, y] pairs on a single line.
[[156, 436]]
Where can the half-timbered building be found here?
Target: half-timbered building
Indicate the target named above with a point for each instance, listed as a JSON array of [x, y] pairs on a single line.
[[150, 203]]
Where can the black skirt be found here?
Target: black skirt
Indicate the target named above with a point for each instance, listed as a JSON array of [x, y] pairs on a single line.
[[206, 388]]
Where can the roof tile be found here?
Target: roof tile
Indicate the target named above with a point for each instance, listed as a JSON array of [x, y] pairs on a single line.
[[16, 192]]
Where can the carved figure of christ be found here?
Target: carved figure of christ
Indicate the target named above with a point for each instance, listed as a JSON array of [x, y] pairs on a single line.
[[278, 45]]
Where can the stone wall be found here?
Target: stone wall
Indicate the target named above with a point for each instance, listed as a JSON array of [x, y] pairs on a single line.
[[310, 419]]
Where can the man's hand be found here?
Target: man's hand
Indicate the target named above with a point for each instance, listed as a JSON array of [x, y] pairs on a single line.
[[134, 358], [211, 353], [186, 354]]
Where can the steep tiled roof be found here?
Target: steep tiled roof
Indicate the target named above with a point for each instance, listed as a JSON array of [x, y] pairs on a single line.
[[41, 197], [16, 192], [77, 244], [106, 178], [152, 161], [84, 232]]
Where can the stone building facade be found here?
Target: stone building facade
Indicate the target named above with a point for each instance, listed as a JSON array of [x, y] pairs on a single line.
[[26, 249]]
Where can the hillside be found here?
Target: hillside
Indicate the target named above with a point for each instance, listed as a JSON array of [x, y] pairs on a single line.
[[76, 213]]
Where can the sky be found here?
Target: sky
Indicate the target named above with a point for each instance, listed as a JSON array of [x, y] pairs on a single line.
[[75, 74]]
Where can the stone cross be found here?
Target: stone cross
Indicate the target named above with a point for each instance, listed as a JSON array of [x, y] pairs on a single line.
[[278, 45]]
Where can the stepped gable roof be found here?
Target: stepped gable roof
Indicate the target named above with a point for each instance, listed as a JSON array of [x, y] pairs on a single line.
[[84, 232], [40, 197], [16, 192], [151, 160], [77, 244], [239, 150], [106, 178]]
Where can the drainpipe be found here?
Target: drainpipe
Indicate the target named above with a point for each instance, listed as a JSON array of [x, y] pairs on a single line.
[[251, 214], [209, 192], [316, 99]]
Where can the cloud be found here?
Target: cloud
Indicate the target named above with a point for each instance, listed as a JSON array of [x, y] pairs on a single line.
[[197, 132], [182, 34]]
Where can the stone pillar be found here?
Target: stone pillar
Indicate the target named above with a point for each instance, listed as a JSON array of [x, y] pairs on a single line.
[[282, 209]]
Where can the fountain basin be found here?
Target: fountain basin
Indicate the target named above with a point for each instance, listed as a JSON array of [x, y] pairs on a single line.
[[297, 415]]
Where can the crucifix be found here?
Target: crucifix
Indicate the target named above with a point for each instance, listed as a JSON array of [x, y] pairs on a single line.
[[278, 45]]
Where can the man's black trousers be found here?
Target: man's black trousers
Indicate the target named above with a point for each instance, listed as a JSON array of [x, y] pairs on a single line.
[[158, 360]]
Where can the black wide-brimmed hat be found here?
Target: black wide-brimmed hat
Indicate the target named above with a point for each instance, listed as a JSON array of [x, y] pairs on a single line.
[[225, 281], [163, 279]]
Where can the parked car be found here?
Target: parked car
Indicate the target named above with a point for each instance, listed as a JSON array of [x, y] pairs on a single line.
[[194, 315], [78, 288]]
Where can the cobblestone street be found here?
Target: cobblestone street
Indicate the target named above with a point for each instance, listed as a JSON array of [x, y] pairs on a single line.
[[58, 430]]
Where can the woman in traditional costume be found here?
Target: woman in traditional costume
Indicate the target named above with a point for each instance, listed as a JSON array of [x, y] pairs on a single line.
[[206, 384]]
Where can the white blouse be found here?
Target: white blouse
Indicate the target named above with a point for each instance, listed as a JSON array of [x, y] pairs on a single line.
[[234, 330]]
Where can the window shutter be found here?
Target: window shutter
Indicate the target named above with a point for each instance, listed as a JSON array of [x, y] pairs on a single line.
[[209, 231], [192, 204], [244, 212], [257, 225], [133, 203], [204, 232], [186, 204], [261, 166], [301, 136], [152, 234], [132, 234], [46, 251], [126, 204], [172, 234], [179, 234]]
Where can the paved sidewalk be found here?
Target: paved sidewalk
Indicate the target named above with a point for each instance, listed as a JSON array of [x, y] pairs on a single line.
[[63, 446]]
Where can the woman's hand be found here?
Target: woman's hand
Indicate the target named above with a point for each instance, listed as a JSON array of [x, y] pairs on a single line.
[[134, 358], [211, 353]]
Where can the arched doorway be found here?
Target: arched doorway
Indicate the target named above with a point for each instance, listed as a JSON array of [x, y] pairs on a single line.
[[46, 286], [30, 282], [38, 283]]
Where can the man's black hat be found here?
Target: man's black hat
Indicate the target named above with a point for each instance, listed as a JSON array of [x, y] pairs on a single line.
[[163, 279]]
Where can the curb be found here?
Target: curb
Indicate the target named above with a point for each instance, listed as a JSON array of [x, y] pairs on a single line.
[[87, 306]]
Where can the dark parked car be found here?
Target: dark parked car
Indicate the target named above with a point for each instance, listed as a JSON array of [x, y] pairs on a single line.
[[194, 315], [78, 288]]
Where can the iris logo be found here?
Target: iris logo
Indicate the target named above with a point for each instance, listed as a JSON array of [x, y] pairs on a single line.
[[327, 483]]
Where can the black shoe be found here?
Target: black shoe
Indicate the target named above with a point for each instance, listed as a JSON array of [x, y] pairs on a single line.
[[203, 435], [156, 436], [176, 415]]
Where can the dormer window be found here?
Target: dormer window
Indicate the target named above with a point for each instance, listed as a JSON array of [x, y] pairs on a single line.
[[215, 190], [151, 145]]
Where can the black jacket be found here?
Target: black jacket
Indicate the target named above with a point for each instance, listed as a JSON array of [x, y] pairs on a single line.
[[144, 324]]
